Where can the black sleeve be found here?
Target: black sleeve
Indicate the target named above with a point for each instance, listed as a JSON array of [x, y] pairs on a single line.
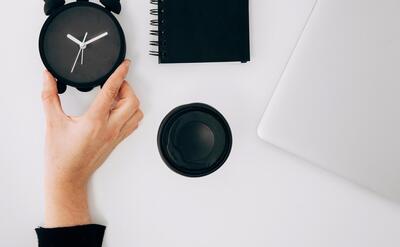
[[77, 236]]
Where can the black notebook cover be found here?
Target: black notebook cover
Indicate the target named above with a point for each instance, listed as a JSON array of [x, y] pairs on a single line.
[[202, 31]]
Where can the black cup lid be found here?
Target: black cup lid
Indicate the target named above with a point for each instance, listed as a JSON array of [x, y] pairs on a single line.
[[194, 140]]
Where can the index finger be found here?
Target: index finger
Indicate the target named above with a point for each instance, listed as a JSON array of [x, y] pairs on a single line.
[[105, 99], [128, 104]]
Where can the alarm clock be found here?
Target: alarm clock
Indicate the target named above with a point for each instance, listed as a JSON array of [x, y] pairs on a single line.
[[81, 43]]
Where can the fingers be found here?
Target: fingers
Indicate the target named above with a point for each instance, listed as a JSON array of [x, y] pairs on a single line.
[[127, 105], [102, 105], [50, 98], [131, 125]]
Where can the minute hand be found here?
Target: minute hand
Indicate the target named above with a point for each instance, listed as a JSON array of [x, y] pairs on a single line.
[[96, 38]]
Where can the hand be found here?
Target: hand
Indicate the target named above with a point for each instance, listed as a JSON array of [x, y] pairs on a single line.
[[77, 146], [81, 48], [75, 40], [96, 38]]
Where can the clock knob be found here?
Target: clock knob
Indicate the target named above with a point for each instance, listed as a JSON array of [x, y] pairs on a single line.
[[112, 5], [51, 5]]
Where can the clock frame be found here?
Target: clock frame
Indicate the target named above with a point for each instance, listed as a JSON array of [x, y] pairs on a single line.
[[54, 7]]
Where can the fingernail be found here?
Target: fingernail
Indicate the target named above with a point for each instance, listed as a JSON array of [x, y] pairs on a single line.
[[128, 62]]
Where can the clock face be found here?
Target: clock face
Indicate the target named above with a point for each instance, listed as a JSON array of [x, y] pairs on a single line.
[[82, 44]]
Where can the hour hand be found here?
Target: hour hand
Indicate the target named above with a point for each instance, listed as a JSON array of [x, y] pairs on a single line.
[[75, 40]]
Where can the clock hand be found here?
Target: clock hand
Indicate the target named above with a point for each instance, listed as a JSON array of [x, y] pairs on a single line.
[[81, 48], [75, 40], [97, 38]]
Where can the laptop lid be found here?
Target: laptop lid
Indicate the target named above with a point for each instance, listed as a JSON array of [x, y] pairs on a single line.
[[338, 101]]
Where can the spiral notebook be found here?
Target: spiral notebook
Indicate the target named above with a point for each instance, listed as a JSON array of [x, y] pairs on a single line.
[[190, 31]]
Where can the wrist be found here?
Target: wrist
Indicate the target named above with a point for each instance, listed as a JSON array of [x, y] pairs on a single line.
[[66, 204]]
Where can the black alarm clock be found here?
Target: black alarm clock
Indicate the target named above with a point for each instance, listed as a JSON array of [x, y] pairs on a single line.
[[81, 43]]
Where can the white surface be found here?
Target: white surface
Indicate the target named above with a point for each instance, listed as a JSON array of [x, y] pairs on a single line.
[[338, 102], [261, 197]]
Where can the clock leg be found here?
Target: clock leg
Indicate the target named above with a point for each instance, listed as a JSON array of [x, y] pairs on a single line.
[[85, 89], [61, 87]]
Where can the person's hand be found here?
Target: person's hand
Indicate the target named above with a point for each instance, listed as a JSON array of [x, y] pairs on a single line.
[[77, 146]]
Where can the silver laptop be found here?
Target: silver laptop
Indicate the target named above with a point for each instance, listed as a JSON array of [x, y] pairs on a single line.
[[338, 101]]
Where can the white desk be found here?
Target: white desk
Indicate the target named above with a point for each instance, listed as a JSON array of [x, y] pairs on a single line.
[[261, 197]]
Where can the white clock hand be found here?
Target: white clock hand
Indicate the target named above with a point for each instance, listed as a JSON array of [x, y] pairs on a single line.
[[79, 52], [75, 40], [83, 50], [83, 47], [96, 38]]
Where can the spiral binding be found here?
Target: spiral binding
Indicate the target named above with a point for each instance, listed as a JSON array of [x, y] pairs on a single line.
[[157, 29]]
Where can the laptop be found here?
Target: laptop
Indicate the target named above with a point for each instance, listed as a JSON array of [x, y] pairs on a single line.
[[337, 104]]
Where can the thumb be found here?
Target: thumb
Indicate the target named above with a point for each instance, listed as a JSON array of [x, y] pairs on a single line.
[[50, 98]]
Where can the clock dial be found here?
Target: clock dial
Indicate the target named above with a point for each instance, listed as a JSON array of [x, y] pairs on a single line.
[[82, 44]]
